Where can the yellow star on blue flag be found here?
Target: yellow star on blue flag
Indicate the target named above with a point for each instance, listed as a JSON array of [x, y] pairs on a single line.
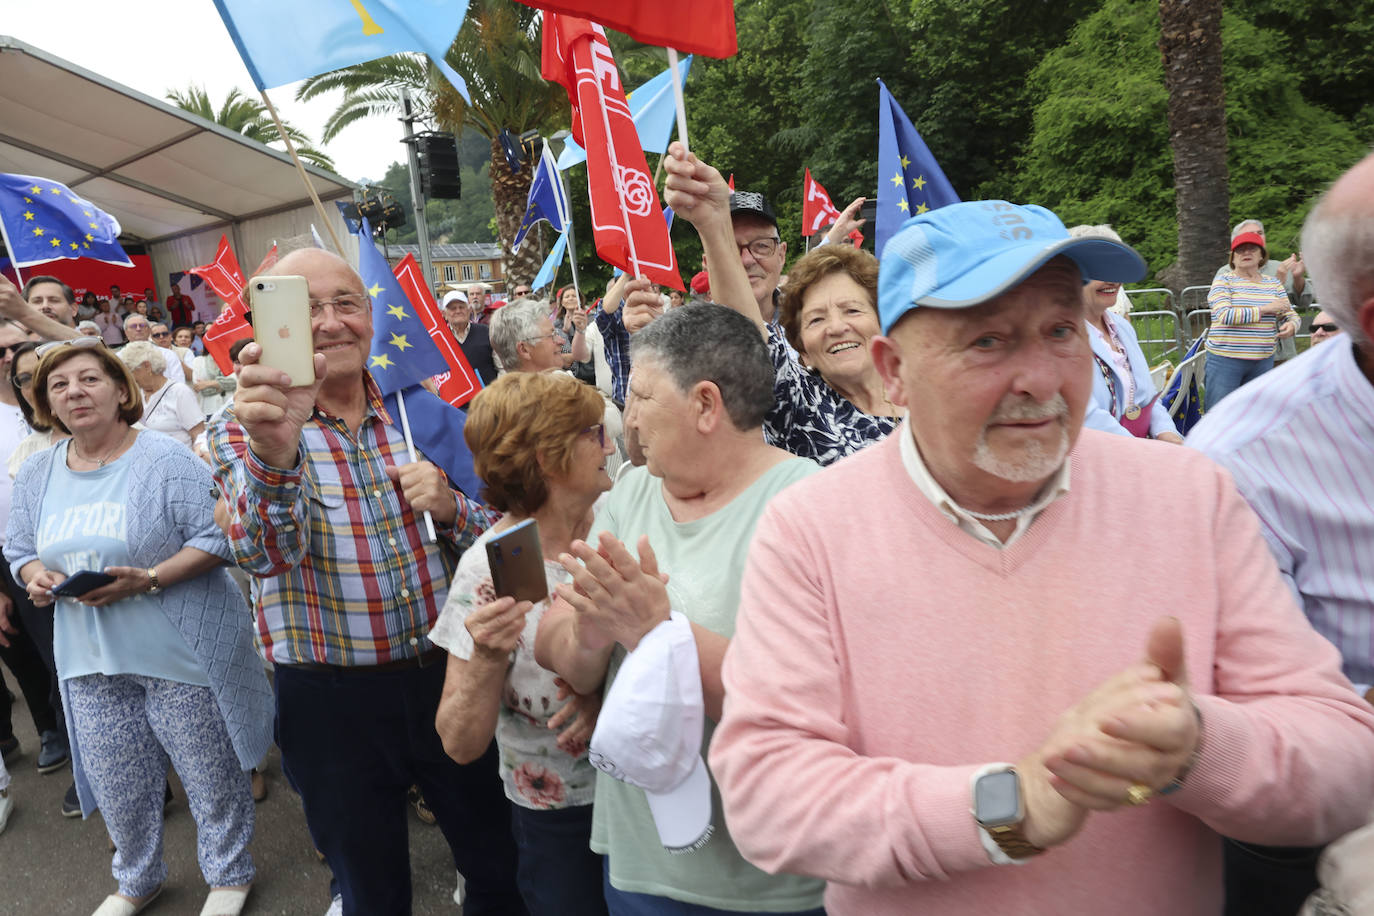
[[37, 227], [382, 360], [396, 311], [399, 342], [917, 184]]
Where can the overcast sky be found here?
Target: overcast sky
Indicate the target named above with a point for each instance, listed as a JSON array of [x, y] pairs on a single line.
[[169, 44]]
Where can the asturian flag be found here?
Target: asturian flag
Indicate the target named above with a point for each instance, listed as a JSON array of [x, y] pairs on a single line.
[[910, 181], [403, 357], [627, 219], [42, 220], [281, 43], [547, 201]]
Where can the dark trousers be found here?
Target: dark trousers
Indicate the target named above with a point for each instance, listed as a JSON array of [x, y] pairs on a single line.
[[559, 875], [352, 743], [1268, 880], [31, 664]]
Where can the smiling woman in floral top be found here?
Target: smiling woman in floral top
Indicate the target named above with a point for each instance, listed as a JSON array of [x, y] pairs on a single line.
[[539, 447]]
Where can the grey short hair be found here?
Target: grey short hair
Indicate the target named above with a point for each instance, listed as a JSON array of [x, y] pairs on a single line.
[[143, 353], [517, 321], [704, 342], [1235, 230], [1338, 246], [133, 316]]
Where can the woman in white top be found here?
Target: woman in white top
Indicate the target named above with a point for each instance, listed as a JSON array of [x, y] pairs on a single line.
[[168, 407]]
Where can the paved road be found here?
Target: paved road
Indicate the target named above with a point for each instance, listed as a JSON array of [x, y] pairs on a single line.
[[55, 866]]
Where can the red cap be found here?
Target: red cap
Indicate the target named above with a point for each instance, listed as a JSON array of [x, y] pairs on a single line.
[[701, 283], [1247, 238]]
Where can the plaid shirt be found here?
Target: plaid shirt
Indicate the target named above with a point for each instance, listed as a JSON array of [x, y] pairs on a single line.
[[616, 341], [346, 576]]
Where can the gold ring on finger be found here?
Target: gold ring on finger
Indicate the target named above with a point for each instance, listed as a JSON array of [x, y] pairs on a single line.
[[1139, 794]]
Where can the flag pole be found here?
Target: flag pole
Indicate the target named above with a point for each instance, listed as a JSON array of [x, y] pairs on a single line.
[[410, 447], [677, 98], [568, 228], [291, 150]]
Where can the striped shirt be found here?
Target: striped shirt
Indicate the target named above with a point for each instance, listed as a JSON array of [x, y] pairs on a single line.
[[1300, 443], [1238, 329], [345, 573]]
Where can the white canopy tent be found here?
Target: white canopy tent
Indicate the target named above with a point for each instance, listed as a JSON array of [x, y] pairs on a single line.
[[175, 182]]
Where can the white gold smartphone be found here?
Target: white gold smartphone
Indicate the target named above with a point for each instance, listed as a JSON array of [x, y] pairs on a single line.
[[281, 326]]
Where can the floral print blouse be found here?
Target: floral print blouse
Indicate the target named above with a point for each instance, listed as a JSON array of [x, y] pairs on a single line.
[[811, 419], [535, 771]]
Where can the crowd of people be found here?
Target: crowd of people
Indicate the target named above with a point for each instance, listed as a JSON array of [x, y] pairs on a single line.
[[807, 643]]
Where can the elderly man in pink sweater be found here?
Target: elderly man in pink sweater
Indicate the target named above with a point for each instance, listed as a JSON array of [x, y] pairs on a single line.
[[1000, 664]]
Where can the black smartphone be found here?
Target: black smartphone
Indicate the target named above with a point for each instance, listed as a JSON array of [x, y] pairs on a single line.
[[516, 559], [79, 583]]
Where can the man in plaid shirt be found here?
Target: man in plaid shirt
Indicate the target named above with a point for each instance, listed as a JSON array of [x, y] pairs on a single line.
[[324, 510]]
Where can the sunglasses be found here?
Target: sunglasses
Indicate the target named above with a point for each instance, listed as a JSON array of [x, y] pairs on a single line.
[[162, 333], [79, 342], [1325, 328], [6, 350]]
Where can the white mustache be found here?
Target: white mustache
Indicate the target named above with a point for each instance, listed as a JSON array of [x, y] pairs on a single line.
[[1026, 409]]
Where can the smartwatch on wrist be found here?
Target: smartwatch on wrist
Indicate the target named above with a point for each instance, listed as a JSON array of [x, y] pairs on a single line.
[[999, 809]]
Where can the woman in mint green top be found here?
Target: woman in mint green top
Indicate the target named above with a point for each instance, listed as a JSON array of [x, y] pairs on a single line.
[[158, 664]]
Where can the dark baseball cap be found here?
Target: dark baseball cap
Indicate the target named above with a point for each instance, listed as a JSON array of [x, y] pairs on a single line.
[[753, 204]]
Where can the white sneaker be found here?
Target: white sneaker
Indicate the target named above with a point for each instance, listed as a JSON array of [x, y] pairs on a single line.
[[335, 907], [7, 805], [459, 892]]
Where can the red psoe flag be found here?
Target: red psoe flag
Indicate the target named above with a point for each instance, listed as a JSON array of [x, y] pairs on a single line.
[[230, 325], [817, 210], [223, 273], [699, 27], [460, 383], [627, 218]]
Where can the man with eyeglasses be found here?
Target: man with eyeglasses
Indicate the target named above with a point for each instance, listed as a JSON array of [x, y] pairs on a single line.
[[1300, 444], [324, 509], [522, 291]]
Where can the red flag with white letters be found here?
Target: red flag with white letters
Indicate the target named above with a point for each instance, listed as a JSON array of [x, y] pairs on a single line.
[[627, 218], [230, 325], [460, 383], [817, 210]]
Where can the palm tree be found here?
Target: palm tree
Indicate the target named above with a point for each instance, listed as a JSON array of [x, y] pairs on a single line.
[[247, 116], [497, 52], [1190, 43]]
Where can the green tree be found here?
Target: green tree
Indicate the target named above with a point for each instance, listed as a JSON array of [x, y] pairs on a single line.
[[245, 115], [497, 53], [1099, 147]]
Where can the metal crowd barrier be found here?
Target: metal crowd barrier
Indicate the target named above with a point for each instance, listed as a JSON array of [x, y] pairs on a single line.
[[1158, 333]]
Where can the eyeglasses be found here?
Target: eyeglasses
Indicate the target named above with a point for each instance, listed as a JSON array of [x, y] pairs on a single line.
[[761, 248], [342, 305], [162, 333], [79, 342], [600, 430], [6, 350], [523, 291], [555, 335], [1325, 328]]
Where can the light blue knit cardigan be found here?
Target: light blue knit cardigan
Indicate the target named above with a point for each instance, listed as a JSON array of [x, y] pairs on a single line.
[[170, 507]]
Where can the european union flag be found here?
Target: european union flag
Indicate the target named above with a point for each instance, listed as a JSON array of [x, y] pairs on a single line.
[[547, 201], [403, 356], [44, 221], [909, 178], [1183, 391], [284, 42]]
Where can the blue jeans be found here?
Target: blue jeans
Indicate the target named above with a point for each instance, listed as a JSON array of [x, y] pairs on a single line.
[[557, 873], [352, 743], [1227, 373], [627, 903]]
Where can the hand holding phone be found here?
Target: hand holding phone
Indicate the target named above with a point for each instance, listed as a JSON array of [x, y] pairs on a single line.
[[516, 559], [79, 583], [281, 326]]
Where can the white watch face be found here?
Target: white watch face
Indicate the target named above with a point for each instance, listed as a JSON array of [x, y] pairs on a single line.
[[997, 799]]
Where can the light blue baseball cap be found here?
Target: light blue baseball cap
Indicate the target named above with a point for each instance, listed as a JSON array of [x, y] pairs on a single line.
[[964, 254]]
